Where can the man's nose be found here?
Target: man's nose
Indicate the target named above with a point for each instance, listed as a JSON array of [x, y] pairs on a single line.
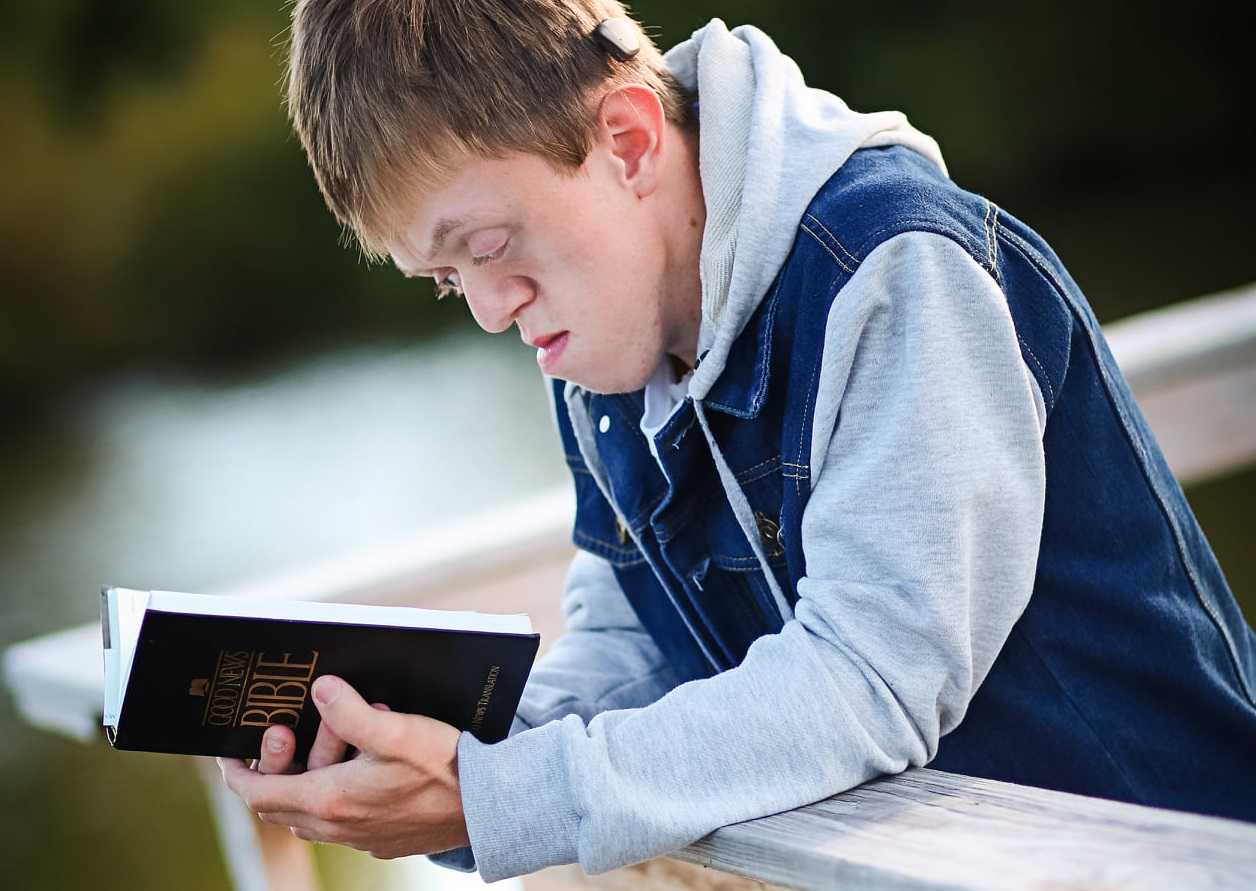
[[496, 303]]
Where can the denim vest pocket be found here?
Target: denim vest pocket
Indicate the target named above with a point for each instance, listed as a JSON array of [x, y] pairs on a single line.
[[746, 606], [745, 609], [597, 529]]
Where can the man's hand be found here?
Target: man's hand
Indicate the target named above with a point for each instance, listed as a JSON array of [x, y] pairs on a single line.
[[398, 796]]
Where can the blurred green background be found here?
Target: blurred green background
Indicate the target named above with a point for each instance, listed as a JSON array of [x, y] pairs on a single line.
[[179, 327]]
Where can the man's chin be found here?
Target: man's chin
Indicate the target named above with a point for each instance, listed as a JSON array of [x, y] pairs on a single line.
[[604, 379], [607, 387]]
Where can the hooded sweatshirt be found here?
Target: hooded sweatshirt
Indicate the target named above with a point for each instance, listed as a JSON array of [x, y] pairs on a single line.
[[612, 759]]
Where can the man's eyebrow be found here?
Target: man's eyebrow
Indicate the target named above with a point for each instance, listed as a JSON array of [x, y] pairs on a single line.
[[442, 231]]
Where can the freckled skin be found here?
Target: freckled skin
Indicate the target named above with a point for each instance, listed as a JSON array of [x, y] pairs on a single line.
[[609, 254]]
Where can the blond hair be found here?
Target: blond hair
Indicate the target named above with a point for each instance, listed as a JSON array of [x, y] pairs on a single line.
[[388, 95]]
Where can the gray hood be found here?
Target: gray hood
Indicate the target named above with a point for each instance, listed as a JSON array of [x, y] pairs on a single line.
[[768, 142]]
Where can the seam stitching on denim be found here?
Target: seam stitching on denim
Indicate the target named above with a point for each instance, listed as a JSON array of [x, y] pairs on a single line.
[[636, 523], [593, 539], [1046, 377], [828, 250], [837, 241], [1040, 266], [985, 227], [994, 241], [747, 475], [802, 431]]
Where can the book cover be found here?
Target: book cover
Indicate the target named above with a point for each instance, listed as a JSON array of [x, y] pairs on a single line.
[[210, 684]]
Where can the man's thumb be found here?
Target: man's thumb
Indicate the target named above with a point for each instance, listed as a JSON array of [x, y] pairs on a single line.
[[346, 712]]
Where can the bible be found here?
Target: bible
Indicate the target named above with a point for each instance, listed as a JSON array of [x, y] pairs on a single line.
[[198, 674]]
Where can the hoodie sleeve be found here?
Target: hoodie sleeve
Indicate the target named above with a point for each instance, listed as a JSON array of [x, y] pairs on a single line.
[[604, 660], [921, 540]]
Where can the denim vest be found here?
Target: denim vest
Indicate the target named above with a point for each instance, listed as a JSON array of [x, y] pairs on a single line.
[[1132, 673]]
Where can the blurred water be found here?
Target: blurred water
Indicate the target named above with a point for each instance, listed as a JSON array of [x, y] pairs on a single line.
[[162, 482]]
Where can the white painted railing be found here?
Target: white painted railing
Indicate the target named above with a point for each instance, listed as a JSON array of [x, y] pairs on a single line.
[[1193, 369]]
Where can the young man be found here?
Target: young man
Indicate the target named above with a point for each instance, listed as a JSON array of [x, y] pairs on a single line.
[[859, 485]]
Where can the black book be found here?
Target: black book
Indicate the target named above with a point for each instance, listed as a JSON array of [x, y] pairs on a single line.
[[197, 674]]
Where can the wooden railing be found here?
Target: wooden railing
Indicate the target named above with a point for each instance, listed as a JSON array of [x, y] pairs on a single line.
[[1193, 370], [928, 829]]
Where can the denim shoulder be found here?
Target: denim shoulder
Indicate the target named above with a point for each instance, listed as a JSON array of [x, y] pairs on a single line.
[[880, 193]]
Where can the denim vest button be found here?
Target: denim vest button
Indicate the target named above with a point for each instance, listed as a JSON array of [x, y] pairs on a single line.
[[604, 424], [771, 534]]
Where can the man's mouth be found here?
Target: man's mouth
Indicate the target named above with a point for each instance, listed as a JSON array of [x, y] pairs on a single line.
[[546, 339], [549, 350]]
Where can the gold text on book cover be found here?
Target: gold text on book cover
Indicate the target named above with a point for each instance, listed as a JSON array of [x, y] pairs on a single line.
[[481, 706], [250, 689]]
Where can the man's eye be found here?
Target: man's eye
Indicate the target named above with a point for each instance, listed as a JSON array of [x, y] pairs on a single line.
[[481, 259], [448, 284]]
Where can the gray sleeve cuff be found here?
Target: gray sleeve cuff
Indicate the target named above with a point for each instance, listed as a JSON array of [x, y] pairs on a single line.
[[462, 859], [518, 802]]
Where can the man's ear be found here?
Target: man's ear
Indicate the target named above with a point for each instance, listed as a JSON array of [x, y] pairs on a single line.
[[632, 126]]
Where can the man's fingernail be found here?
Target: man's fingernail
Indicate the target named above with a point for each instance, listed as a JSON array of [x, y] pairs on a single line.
[[275, 744], [326, 690]]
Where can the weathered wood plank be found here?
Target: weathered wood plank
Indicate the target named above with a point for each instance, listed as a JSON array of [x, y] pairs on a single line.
[[926, 829], [1185, 340], [1206, 425], [1192, 367]]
